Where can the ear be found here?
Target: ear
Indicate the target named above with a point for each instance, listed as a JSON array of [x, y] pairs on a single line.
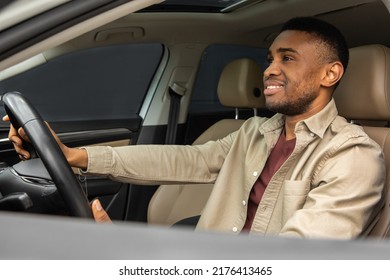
[[333, 73]]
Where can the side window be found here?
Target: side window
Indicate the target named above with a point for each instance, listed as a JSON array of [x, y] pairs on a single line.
[[215, 57], [94, 84]]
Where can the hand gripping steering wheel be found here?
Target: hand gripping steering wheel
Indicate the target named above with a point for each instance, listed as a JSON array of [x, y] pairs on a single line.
[[23, 114]]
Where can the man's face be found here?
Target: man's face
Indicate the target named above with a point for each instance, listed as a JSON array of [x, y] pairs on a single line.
[[292, 80]]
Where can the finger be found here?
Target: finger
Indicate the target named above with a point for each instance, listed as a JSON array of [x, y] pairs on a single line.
[[12, 130], [22, 133], [18, 146], [99, 214], [16, 138]]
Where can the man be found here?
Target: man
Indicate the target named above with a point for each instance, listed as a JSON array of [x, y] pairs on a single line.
[[305, 172]]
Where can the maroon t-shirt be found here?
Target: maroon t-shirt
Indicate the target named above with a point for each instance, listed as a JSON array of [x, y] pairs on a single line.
[[278, 156]]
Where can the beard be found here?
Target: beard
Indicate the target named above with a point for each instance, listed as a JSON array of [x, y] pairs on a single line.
[[295, 103], [292, 107]]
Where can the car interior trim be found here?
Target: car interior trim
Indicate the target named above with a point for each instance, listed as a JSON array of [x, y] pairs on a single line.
[[77, 30], [154, 84]]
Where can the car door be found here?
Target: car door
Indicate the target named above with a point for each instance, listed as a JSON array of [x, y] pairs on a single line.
[[92, 96]]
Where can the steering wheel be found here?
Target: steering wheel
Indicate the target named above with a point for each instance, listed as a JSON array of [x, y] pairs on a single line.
[[23, 114]]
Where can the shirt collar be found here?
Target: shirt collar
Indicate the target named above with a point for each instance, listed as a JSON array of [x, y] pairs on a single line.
[[320, 122], [316, 124]]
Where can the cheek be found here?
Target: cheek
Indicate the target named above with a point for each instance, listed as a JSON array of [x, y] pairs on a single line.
[[304, 84]]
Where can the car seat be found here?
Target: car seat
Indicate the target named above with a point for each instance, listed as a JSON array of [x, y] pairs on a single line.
[[240, 86], [363, 97]]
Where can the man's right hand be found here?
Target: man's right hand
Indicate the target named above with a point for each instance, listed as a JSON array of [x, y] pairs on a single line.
[[75, 157], [17, 137]]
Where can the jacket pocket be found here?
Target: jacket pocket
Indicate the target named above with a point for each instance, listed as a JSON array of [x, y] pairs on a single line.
[[294, 196]]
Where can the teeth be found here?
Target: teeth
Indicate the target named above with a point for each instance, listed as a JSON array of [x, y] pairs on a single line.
[[273, 87]]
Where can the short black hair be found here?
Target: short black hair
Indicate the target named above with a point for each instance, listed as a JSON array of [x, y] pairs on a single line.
[[325, 32]]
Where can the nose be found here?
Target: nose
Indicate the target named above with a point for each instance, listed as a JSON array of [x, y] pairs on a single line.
[[273, 69]]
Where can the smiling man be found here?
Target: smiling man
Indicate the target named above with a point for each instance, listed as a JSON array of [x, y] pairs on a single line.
[[307, 61], [305, 172]]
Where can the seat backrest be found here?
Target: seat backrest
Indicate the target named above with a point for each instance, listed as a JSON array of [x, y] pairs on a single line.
[[240, 86], [363, 97]]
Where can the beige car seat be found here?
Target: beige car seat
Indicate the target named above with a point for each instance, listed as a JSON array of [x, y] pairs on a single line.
[[240, 86], [363, 97]]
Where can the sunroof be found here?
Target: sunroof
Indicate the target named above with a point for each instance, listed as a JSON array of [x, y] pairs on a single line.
[[199, 5]]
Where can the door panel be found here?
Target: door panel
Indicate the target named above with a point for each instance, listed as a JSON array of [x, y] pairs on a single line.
[[113, 195]]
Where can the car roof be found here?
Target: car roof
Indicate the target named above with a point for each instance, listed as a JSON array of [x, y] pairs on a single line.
[[252, 23]]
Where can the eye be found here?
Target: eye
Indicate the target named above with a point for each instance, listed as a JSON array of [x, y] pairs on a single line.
[[287, 58], [270, 59]]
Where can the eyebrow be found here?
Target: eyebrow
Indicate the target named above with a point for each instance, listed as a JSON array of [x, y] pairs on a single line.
[[284, 50]]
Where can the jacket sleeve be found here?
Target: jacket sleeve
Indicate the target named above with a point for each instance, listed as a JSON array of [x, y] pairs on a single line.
[[345, 195], [160, 164]]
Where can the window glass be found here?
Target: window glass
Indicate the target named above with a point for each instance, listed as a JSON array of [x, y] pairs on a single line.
[[215, 58], [95, 84]]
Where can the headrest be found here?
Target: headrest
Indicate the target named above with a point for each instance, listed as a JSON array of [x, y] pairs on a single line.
[[363, 93], [241, 85]]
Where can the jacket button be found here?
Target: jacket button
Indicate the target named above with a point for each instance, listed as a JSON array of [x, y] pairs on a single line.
[[235, 229]]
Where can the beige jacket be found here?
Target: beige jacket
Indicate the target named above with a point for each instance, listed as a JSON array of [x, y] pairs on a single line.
[[330, 187]]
